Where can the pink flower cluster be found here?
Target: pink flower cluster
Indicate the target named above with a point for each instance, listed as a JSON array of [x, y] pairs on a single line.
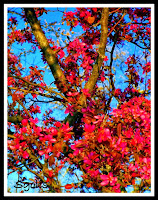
[[108, 179]]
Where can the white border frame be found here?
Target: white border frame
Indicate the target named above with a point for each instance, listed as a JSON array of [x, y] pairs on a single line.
[[152, 6]]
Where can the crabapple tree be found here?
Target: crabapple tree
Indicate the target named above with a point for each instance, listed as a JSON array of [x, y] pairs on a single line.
[[101, 80]]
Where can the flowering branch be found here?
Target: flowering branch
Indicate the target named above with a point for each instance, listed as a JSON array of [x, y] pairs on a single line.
[[49, 54], [103, 40]]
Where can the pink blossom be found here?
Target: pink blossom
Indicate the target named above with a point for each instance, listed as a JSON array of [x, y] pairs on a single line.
[[82, 14], [146, 160], [94, 9], [76, 152], [93, 172], [76, 144], [70, 13], [104, 135], [48, 150], [86, 92], [53, 140], [100, 118], [72, 94], [116, 188], [69, 109], [53, 131], [89, 128], [106, 58], [61, 53], [37, 130], [46, 156], [40, 152], [25, 155], [108, 179], [23, 130], [105, 179], [33, 121], [131, 167], [24, 122], [87, 161], [65, 127], [57, 124]]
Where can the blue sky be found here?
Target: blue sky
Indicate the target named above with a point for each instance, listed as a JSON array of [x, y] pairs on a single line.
[[35, 59]]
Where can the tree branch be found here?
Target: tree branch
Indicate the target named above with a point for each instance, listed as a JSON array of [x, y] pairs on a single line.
[[123, 38], [42, 94], [110, 72], [49, 54], [38, 85], [117, 23], [34, 157], [103, 40]]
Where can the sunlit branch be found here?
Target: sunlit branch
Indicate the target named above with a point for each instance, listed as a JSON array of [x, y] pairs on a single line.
[[39, 86], [117, 23], [114, 10], [39, 93], [49, 54], [101, 51], [11, 136]]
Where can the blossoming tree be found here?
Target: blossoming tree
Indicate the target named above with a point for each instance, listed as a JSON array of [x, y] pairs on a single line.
[[110, 145]]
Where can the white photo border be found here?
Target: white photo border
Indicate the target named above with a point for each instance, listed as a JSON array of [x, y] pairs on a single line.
[[152, 193]]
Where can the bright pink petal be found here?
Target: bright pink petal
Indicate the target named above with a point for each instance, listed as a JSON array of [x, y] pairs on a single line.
[[104, 183]]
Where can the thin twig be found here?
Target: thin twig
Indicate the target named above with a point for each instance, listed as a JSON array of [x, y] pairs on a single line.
[[117, 24]]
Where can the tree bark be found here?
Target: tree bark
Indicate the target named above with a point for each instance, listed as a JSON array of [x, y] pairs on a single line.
[[49, 54], [102, 44], [101, 51]]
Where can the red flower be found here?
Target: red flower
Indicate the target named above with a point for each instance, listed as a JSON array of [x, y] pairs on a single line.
[[94, 9], [69, 109], [10, 81], [89, 128], [104, 135], [85, 92], [24, 122], [57, 124], [117, 92], [25, 155], [131, 167], [61, 53], [108, 179], [72, 94], [41, 153], [33, 121], [106, 58]]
